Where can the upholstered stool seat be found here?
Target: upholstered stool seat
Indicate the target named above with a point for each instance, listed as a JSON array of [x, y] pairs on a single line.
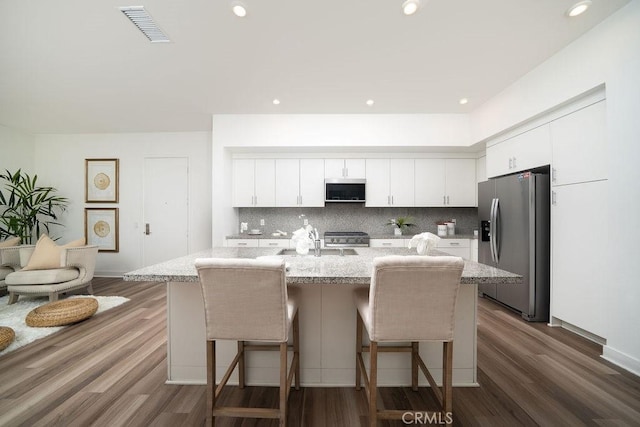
[[410, 299], [248, 300], [7, 335], [60, 313]]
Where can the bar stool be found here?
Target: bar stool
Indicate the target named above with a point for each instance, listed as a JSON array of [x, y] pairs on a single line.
[[411, 298], [248, 300]]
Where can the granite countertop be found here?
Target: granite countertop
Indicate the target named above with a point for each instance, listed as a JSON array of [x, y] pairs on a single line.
[[372, 236], [308, 269]]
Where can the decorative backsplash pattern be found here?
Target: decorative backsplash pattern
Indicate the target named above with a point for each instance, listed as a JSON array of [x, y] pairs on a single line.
[[355, 217]]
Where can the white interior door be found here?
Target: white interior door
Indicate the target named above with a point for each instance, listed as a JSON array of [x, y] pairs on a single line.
[[165, 209]]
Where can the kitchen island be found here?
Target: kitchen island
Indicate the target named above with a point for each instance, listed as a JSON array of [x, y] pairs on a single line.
[[327, 319]]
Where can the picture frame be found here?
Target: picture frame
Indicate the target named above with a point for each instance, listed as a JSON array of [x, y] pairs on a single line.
[[101, 228], [101, 180]]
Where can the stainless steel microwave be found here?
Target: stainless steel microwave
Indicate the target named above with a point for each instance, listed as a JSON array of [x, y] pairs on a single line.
[[344, 190]]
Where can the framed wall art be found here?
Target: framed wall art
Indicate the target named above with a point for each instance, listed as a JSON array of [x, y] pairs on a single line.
[[101, 180], [101, 228]]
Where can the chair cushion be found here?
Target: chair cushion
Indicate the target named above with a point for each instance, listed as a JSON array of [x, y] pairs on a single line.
[[46, 254], [14, 241], [42, 277], [361, 301]]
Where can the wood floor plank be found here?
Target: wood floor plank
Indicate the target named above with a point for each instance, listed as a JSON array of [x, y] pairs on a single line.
[[111, 370]]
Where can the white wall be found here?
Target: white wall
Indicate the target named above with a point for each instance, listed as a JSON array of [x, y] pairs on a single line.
[[60, 160], [16, 150], [609, 54], [342, 130]]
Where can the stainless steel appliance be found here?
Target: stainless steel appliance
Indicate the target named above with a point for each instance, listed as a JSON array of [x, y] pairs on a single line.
[[338, 239], [344, 190], [514, 224]]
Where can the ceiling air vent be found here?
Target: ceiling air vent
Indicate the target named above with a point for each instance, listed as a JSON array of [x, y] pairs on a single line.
[[145, 23]]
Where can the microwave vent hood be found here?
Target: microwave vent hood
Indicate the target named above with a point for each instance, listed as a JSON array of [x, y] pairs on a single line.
[[344, 190]]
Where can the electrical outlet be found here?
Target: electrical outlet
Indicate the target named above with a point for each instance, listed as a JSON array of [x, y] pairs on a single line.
[[262, 221], [306, 221]]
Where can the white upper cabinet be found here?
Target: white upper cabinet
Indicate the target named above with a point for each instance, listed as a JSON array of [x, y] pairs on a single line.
[[390, 182], [254, 182], [528, 150], [344, 168], [299, 182], [580, 146], [445, 182], [312, 182]]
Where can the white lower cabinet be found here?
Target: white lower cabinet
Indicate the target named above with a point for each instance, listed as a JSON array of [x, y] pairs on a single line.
[[242, 243], [455, 247], [388, 243], [578, 255], [258, 243], [274, 243]]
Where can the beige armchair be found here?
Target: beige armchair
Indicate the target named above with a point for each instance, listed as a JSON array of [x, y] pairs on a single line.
[[77, 266], [9, 262]]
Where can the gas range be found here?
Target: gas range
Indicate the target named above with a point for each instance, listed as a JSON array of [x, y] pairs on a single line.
[[333, 239]]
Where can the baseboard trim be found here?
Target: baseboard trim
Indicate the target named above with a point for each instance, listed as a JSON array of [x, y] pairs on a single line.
[[622, 360]]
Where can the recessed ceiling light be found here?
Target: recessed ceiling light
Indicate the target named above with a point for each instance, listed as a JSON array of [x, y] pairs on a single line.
[[463, 101], [578, 8], [239, 9], [369, 102], [276, 101], [409, 7]]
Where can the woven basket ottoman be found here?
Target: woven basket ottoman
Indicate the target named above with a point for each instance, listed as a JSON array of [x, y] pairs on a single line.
[[6, 337], [60, 313]]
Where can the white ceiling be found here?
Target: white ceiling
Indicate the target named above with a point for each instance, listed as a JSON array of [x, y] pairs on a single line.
[[75, 66]]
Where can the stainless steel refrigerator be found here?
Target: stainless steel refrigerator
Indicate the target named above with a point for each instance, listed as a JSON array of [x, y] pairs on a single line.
[[514, 223]]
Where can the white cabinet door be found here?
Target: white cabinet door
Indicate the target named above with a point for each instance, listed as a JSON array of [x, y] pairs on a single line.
[[401, 182], [355, 168], [580, 146], [265, 182], [243, 182], [528, 150], [287, 182], [312, 182], [344, 168], [377, 188], [334, 168], [430, 182], [579, 279], [460, 182]]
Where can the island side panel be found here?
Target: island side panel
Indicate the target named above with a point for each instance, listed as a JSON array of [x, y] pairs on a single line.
[[327, 335]]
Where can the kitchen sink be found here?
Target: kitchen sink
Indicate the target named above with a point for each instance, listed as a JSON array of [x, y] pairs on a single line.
[[332, 251]]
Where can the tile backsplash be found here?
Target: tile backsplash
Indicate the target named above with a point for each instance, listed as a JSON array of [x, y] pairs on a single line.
[[355, 217]]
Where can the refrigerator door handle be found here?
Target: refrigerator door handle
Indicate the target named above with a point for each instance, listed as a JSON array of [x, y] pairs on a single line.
[[492, 230], [496, 234]]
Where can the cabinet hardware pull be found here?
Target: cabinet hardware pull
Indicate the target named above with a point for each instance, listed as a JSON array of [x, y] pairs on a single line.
[[386, 244], [514, 162], [242, 244], [447, 199], [553, 197], [146, 229], [391, 199], [553, 175], [454, 243], [273, 244]]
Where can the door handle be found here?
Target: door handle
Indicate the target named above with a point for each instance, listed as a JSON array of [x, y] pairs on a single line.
[[146, 229]]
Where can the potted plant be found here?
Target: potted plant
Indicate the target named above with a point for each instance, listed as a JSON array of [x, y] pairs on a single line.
[[400, 223], [27, 209]]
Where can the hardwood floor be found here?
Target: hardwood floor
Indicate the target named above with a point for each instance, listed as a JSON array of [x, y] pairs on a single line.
[[110, 370]]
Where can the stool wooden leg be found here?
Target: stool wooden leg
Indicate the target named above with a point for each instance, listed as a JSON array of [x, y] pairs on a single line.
[[283, 384], [447, 376], [359, 327], [296, 349], [415, 349], [373, 384], [241, 378], [211, 381]]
